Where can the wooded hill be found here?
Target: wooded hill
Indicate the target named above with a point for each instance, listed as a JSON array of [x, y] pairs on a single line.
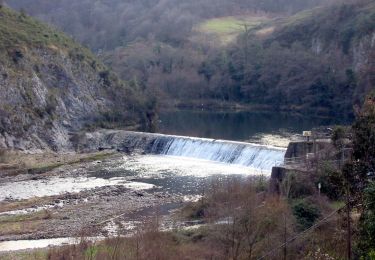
[[313, 57], [320, 61], [107, 24]]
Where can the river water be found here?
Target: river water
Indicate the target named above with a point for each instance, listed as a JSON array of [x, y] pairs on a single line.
[[239, 126]]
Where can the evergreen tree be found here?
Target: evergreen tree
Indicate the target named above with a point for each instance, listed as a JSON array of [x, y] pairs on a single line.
[[364, 173]]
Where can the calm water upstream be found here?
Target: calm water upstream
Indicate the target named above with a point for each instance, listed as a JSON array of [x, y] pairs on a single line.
[[239, 126]]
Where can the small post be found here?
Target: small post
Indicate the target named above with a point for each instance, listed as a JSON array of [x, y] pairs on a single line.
[[285, 239], [307, 134], [349, 228]]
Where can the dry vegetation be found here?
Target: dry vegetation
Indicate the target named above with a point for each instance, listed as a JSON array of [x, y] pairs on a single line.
[[242, 222], [15, 162]]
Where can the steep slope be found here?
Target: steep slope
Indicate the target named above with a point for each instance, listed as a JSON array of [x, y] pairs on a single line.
[[103, 24], [173, 48], [51, 88], [319, 61]]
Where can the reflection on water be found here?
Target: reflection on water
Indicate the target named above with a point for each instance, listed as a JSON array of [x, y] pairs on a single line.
[[240, 126], [174, 175]]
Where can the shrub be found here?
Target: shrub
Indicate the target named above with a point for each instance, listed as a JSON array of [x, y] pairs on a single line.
[[105, 77], [337, 136], [2, 155], [17, 56], [306, 213], [195, 210], [366, 245], [331, 181]]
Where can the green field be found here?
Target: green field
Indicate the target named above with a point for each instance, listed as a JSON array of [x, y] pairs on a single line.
[[228, 28]]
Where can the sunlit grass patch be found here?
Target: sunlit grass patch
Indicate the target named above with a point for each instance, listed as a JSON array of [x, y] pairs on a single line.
[[226, 29], [231, 24]]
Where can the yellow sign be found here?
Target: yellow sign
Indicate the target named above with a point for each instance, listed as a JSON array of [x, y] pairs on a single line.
[[307, 133]]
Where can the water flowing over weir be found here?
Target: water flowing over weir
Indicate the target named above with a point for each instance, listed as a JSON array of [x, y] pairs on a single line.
[[240, 153], [245, 154]]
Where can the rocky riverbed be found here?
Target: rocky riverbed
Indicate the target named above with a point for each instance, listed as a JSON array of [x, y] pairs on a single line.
[[104, 194], [69, 201]]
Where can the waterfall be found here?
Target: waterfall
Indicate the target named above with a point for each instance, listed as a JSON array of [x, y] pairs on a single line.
[[246, 154], [240, 153]]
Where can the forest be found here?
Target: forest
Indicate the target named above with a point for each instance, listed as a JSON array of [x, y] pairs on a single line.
[[229, 54]]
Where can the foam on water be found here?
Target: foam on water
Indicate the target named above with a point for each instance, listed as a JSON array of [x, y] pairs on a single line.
[[159, 166], [256, 156]]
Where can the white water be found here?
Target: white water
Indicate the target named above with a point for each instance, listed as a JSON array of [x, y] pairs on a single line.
[[260, 157], [161, 166]]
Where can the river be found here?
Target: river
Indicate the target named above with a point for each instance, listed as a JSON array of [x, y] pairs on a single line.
[[177, 167], [239, 126]]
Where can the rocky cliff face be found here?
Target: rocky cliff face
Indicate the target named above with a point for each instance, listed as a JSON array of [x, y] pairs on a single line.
[[51, 87]]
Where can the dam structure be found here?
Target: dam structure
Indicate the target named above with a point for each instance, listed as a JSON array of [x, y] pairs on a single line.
[[256, 156]]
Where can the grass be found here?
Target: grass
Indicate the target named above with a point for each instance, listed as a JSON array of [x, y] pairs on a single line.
[[43, 163], [40, 254], [337, 204], [19, 228], [228, 28], [49, 167], [45, 214], [300, 17], [16, 205], [20, 29], [21, 224]]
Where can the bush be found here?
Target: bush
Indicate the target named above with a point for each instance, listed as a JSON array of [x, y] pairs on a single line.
[[3, 155], [366, 245], [305, 213], [338, 135], [195, 210], [332, 183]]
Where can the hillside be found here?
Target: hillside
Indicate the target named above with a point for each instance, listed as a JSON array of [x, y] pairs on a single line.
[[225, 30], [51, 87], [105, 25], [319, 61]]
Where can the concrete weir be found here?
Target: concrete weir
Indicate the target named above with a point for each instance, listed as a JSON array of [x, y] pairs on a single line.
[[240, 153], [296, 156]]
